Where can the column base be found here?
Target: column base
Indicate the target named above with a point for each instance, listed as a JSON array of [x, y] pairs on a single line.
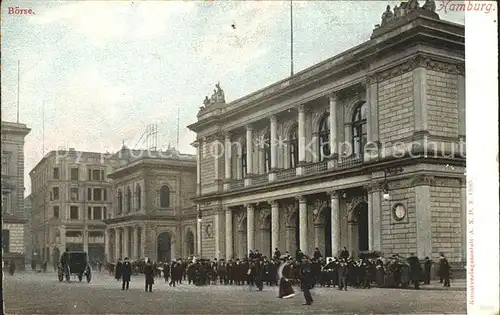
[[227, 186], [272, 177], [299, 171], [248, 181]]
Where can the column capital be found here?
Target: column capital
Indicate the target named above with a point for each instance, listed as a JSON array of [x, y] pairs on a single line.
[[227, 135], [332, 97], [250, 205], [273, 118], [229, 211], [301, 108], [301, 199], [335, 194], [273, 203], [248, 127]]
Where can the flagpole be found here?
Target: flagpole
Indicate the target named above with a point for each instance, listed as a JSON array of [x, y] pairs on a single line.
[[291, 37], [18, 86], [178, 118], [43, 128]]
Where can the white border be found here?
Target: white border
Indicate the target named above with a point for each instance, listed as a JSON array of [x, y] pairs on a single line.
[[482, 161]]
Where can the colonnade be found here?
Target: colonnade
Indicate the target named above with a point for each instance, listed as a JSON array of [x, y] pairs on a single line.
[[127, 241]]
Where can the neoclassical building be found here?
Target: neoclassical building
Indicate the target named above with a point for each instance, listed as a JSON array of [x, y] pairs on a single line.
[[152, 214], [363, 150]]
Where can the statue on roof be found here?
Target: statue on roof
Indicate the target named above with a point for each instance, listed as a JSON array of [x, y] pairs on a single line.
[[397, 11], [387, 16], [206, 101], [413, 5], [217, 96], [430, 5]]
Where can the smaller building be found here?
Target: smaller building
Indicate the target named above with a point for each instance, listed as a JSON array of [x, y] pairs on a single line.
[[152, 214], [13, 218]]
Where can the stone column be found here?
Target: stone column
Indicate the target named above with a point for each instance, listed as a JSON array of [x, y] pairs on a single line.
[[219, 234], [142, 243], [333, 124], [249, 144], [274, 148], [227, 159], [250, 227], [117, 244], [126, 242], [229, 234], [303, 224], [302, 138], [135, 243], [199, 147], [275, 225], [86, 240], [106, 245], [335, 217], [376, 218], [424, 215], [370, 220], [198, 238]]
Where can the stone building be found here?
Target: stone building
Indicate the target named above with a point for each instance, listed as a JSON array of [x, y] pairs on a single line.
[[28, 232], [71, 195], [363, 150], [13, 219], [153, 214]]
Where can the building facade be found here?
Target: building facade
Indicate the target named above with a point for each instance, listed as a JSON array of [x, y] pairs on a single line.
[[13, 219], [364, 150], [28, 232], [71, 196], [153, 214]]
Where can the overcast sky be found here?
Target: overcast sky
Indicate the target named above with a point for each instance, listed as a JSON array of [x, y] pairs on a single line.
[[104, 70]]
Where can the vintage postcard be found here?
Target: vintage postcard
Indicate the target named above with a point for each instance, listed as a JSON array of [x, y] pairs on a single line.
[[249, 157]]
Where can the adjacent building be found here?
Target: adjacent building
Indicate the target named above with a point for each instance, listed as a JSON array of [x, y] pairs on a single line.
[[152, 214], [28, 232], [71, 196], [13, 218], [363, 150]]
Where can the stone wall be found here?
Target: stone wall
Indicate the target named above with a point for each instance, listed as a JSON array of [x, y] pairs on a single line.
[[395, 108], [208, 237], [399, 237], [16, 237], [446, 220], [442, 103], [207, 164]]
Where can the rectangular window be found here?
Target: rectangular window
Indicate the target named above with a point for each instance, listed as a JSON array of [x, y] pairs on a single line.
[[73, 213], [89, 194], [104, 213], [73, 193], [55, 212], [5, 240], [96, 175], [55, 193], [55, 173], [7, 203], [97, 213], [102, 175], [97, 194], [5, 162], [89, 174], [89, 213], [105, 194], [75, 173]]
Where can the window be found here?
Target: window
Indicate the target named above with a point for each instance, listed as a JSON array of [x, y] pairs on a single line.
[[7, 203], [73, 192], [294, 147], [55, 173], [267, 152], [104, 213], [89, 174], [324, 137], [243, 160], [55, 212], [164, 197], [97, 213], [5, 240], [89, 194], [104, 194], [358, 128], [73, 234], [55, 193], [73, 213], [120, 201], [74, 173], [89, 213], [97, 195], [129, 200], [138, 196], [5, 162], [96, 175]]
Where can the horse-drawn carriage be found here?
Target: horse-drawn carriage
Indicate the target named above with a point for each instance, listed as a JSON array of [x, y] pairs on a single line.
[[76, 264]]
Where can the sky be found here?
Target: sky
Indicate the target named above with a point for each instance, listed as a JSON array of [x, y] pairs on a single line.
[[101, 71]]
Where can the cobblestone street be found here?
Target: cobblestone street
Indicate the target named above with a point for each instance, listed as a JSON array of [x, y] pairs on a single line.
[[27, 293]]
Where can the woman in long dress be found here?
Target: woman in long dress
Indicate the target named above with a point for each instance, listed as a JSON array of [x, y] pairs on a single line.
[[285, 285]]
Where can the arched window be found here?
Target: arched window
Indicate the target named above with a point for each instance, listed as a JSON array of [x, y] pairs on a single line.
[[164, 197], [358, 128], [324, 137], [267, 152], [129, 200], [294, 146], [138, 196], [243, 159], [120, 201]]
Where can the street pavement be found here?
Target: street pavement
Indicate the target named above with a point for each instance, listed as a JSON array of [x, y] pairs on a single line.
[[38, 293]]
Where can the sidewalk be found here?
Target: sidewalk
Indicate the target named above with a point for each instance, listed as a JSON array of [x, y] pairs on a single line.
[[455, 285]]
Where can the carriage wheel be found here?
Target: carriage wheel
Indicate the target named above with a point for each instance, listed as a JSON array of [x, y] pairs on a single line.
[[67, 272], [60, 275]]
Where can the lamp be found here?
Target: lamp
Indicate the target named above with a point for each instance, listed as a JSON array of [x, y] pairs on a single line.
[[315, 211], [199, 216], [386, 195]]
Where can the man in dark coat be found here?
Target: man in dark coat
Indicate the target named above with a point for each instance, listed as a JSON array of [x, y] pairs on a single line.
[[415, 270], [277, 253], [306, 280], [344, 254], [126, 273], [317, 254], [427, 270], [444, 270], [118, 269], [149, 274]]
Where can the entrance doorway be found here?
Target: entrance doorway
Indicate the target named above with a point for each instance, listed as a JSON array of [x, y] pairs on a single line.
[[163, 250], [362, 218], [190, 243], [328, 232]]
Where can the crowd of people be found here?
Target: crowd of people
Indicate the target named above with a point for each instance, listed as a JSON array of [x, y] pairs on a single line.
[[286, 271]]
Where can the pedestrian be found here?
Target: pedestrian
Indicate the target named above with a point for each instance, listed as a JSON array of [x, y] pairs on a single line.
[[306, 280], [149, 276], [427, 270], [126, 273], [12, 267], [444, 269], [118, 270], [415, 270]]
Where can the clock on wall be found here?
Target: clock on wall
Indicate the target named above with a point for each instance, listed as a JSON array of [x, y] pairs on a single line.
[[399, 212]]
